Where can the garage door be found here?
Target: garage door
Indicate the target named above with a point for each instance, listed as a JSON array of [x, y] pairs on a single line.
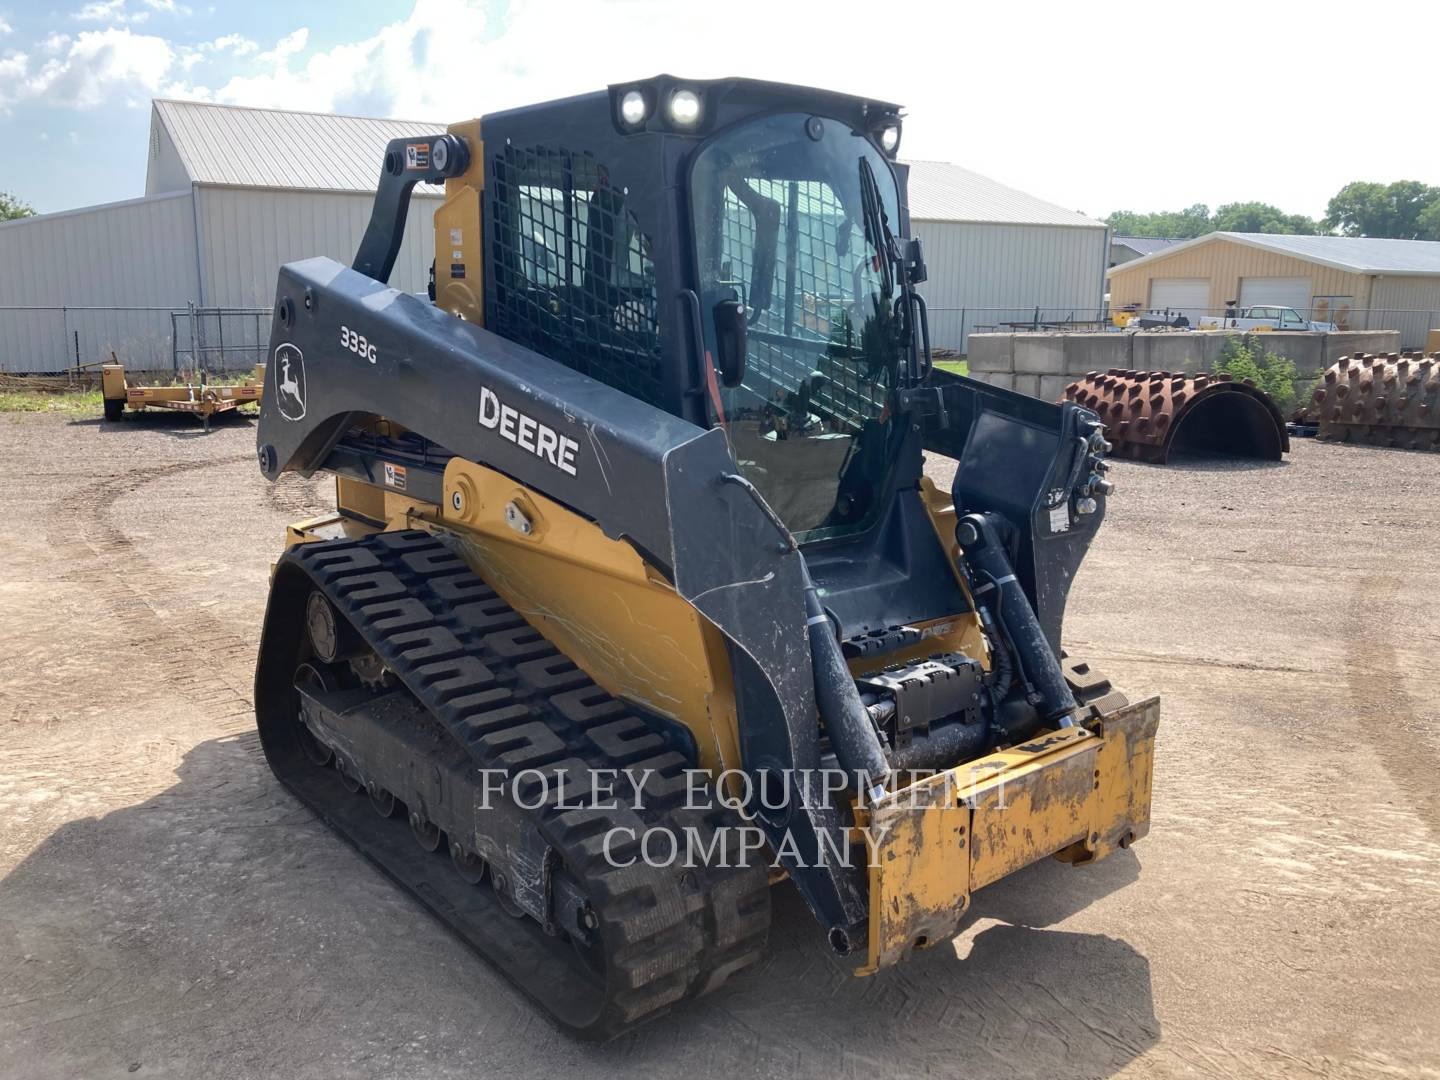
[[1190, 295], [1277, 292]]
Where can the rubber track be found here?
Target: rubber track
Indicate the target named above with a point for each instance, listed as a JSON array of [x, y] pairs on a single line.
[[515, 702]]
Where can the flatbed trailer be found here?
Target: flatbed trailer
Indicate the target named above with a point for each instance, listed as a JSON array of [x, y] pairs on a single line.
[[197, 397]]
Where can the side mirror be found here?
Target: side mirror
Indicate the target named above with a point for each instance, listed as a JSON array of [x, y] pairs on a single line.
[[730, 341]]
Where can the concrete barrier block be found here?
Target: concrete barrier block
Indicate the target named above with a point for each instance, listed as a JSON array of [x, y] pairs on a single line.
[[1304, 349], [990, 352], [1212, 348], [1039, 354], [1027, 384], [1096, 352], [1349, 342], [1166, 352], [1052, 387], [1003, 379]]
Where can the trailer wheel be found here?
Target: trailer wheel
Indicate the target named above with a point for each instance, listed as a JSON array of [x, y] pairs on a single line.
[[114, 408]]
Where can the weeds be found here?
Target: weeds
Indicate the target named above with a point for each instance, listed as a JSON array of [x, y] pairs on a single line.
[[1271, 372]]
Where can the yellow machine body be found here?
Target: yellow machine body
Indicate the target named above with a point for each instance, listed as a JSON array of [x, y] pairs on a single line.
[[1077, 794]]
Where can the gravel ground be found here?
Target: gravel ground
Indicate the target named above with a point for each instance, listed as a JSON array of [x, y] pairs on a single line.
[[165, 910]]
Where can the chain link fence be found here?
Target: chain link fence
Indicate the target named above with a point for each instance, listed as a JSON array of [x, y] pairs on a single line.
[[157, 340], [951, 327], [161, 340]]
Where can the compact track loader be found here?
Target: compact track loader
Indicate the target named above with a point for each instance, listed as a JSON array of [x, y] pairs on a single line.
[[637, 600]]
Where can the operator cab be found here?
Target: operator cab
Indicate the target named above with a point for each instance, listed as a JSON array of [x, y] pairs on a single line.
[[728, 251]]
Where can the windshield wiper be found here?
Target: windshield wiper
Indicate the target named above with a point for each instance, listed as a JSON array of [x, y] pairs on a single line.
[[877, 228], [894, 267]]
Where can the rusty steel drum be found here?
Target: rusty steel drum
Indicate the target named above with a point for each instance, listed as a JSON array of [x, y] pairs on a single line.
[[1391, 399], [1149, 415]]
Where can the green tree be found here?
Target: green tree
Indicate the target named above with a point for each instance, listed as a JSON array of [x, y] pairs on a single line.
[[1430, 221], [1366, 208], [11, 207], [1182, 224], [1258, 217], [1254, 217]]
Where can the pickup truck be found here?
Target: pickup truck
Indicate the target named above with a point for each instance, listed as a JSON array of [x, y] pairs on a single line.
[[1261, 317]]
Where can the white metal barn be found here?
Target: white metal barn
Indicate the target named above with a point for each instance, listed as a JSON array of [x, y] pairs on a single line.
[[995, 254], [230, 194]]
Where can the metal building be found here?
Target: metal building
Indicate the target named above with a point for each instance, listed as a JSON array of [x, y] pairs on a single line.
[[998, 256], [230, 194], [1358, 283]]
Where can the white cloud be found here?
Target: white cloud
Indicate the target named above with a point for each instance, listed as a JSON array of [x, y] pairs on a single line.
[[111, 11], [1015, 91], [89, 70], [286, 47], [5, 27], [236, 45], [232, 43]]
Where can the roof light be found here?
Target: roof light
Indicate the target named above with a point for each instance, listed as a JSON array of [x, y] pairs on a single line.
[[632, 108], [890, 138], [685, 107]]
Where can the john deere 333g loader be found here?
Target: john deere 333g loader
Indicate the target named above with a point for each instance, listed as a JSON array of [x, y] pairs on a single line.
[[634, 555]]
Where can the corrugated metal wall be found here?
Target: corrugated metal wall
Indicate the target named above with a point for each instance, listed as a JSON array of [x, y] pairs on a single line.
[[143, 254], [1413, 301], [1225, 263], [247, 233], [165, 171], [136, 254], [985, 274]]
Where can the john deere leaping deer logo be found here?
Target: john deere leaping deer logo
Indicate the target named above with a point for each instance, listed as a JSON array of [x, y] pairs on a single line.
[[290, 382]]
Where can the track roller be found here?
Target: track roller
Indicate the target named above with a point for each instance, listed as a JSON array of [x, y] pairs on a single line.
[[348, 776], [426, 832], [468, 865], [383, 801]]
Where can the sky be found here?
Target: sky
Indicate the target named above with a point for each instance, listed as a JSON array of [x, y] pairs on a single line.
[[1096, 107]]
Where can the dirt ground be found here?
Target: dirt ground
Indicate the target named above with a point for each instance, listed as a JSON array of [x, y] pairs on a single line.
[[166, 910]]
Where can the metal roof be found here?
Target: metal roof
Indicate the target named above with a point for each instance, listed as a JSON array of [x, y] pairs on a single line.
[[1146, 245], [239, 146], [277, 148], [940, 191], [1354, 254]]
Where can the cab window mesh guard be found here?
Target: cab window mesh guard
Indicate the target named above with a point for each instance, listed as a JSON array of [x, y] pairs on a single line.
[[574, 279]]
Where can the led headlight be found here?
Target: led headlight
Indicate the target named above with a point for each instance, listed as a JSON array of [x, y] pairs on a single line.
[[632, 108], [685, 107]]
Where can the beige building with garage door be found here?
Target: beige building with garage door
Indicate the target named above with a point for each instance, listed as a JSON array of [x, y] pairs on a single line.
[[1358, 283]]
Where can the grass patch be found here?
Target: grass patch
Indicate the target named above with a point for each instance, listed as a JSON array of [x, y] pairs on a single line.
[[40, 401], [955, 367]]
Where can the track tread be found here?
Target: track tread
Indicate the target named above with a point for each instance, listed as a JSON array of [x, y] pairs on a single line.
[[514, 701]]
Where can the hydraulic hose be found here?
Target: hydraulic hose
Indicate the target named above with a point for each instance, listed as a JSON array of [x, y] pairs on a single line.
[[852, 734], [979, 538]]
